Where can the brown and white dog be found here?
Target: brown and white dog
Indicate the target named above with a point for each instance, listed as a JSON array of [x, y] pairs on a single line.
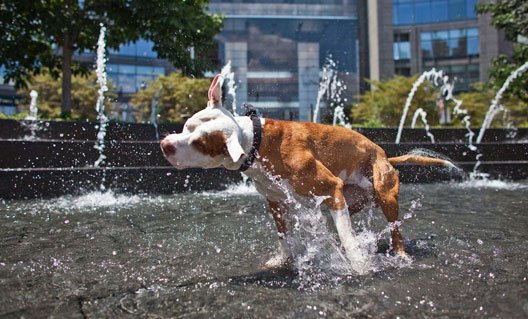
[[336, 163]]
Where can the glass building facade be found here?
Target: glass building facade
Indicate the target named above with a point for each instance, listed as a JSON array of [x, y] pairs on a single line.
[[454, 43], [129, 78], [277, 49], [444, 34], [408, 12], [133, 65]]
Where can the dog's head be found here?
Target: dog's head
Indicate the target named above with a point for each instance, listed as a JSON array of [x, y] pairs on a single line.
[[210, 138]]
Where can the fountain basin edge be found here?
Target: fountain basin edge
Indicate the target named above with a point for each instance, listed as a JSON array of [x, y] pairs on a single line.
[[57, 158]]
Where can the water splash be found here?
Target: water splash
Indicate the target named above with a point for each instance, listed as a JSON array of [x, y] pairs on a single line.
[[228, 78], [490, 184], [495, 107], [94, 200], [331, 87], [423, 115], [99, 107], [242, 188], [317, 254]]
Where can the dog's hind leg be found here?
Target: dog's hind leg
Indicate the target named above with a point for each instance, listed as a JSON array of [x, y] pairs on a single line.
[[278, 212], [356, 198], [386, 191]]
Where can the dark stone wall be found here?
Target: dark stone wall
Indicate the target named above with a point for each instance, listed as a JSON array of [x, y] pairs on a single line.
[[43, 159]]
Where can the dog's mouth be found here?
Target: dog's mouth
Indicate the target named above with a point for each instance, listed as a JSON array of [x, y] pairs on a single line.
[[177, 165]]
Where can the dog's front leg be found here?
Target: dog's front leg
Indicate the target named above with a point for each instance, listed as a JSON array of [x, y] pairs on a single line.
[[283, 258], [349, 239]]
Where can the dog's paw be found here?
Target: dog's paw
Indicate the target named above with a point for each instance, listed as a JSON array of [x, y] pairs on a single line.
[[278, 262]]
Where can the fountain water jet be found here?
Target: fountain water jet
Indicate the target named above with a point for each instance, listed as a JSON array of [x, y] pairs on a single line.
[[423, 115], [228, 77], [324, 85], [154, 111], [495, 107], [103, 120], [33, 108], [431, 75], [447, 91], [332, 87], [33, 126]]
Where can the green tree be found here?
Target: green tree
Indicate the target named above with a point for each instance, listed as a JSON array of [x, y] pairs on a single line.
[[178, 97], [383, 105], [38, 35], [511, 16], [84, 96]]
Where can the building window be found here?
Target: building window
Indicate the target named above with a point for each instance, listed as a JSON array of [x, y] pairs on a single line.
[[403, 71], [432, 11], [450, 44], [129, 78], [402, 47], [463, 74], [141, 49]]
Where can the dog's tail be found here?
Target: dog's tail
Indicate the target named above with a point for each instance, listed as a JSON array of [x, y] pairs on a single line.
[[419, 160]]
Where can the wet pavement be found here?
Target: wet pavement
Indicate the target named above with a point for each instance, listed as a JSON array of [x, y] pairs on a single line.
[[107, 255]]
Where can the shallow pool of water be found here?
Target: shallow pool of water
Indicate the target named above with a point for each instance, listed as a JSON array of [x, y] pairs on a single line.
[[106, 255]]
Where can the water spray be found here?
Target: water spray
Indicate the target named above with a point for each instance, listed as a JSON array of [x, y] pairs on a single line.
[[33, 108], [495, 107], [99, 107]]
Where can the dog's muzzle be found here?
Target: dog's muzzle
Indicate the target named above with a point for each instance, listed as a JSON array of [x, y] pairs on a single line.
[[168, 148]]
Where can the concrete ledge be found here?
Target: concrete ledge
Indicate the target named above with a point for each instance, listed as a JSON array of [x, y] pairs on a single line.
[[44, 159], [51, 182]]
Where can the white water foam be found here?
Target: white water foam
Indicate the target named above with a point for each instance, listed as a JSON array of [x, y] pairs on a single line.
[[490, 184], [242, 188], [95, 200]]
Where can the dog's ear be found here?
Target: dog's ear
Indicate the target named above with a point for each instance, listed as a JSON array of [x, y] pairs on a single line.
[[215, 93], [234, 148]]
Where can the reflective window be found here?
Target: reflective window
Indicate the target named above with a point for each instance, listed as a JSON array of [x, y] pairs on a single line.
[[463, 74], [456, 43], [457, 9], [427, 49], [129, 78], [473, 41], [274, 57], [141, 48], [423, 12], [430, 11], [402, 50], [401, 47], [402, 13], [439, 11]]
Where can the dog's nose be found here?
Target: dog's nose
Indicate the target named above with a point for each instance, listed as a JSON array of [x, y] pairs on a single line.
[[167, 148]]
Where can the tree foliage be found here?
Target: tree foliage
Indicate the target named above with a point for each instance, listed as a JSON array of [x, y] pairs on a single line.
[[84, 96], [511, 16], [478, 100], [38, 35], [383, 105], [178, 97]]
